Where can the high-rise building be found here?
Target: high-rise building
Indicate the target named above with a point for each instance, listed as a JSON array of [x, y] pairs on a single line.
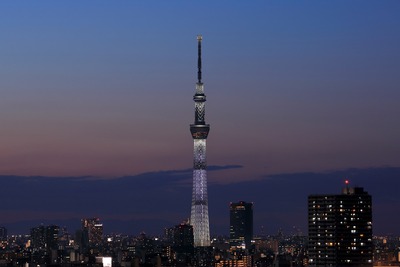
[[340, 228], [199, 212], [92, 231], [183, 243], [52, 232], [38, 237], [45, 237], [241, 224]]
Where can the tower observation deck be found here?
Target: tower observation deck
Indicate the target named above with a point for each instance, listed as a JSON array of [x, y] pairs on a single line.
[[199, 212]]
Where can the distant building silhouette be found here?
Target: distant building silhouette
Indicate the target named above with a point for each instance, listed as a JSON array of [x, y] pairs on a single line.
[[3, 233], [241, 224], [340, 229]]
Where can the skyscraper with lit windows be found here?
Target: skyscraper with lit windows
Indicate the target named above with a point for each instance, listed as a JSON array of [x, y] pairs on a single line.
[[45, 237], [241, 224], [92, 231], [340, 228]]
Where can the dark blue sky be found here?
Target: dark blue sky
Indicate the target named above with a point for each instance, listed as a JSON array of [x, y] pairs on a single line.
[[105, 89]]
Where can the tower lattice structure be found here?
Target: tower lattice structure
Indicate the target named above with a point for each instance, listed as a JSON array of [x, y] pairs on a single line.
[[199, 212]]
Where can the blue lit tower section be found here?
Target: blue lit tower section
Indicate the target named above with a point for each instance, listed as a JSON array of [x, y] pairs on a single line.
[[199, 130]]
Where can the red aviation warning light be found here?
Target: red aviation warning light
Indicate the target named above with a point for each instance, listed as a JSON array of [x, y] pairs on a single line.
[[346, 190]]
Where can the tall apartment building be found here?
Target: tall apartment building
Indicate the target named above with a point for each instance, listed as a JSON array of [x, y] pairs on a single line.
[[340, 228]]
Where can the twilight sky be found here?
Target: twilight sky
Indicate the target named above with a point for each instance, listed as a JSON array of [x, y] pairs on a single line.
[[105, 88]]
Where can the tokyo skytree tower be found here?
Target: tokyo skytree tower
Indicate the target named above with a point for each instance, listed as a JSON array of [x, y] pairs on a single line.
[[199, 130]]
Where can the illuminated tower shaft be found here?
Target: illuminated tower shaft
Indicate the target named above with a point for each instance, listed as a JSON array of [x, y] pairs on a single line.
[[199, 130]]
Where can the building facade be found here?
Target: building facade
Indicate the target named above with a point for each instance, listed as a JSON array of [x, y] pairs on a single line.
[[340, 229]]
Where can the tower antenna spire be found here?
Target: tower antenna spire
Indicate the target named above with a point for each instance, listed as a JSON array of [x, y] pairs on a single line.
[[199, 39]]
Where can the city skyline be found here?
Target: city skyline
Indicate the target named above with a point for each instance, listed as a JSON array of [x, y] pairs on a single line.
[[286, 208], [296, 88]]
